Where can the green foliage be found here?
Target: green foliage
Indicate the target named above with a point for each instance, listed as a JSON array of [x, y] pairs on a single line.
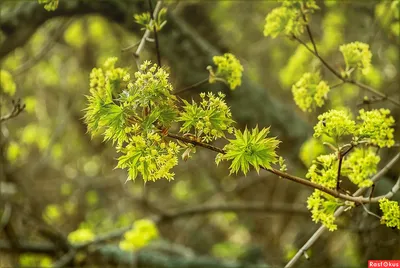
[[322, 207], [49, 5], [387, 13], [229, 70], [310, 92], [356, 56], [376, 127], [145, 20], [250, 148], [288, 18], [335, 124], [13, 152], [150, 156], [391, 213], [324, 170], [360, 165], [7, 84], [209, 119], [34, 260], [142, 233], [81, 235]]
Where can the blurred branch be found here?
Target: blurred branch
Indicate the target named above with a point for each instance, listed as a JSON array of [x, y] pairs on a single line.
[[148, 258], [340, 210], [240, 207], [52, 40], [17, 109]]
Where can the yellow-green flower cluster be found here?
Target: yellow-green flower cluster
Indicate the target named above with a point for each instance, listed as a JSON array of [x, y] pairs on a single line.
[[357, 55], [49, 5], [376, 127], [360, 165], [150, 96], [81, 236], [250, 148], [324, 170], [142, 233], [7, 84], [288, 19], [310, 92], [335, 124], [391, 213], [229, 69], [322, 208], [209, 119], [150, 156]]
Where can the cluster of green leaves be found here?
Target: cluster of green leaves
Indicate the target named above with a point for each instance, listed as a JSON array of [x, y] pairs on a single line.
[[149, 156], [209, 119], [229, 70], [322, 207], [356, 56], [288, 19], [310, 92], [144, 19], [49, 5], [142, 233], [374, 128], [391, 213], [250, 148], [133, 113]]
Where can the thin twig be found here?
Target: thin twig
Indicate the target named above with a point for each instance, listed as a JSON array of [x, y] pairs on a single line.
[[155, 33], [147, 32], [339, 211], [131, 46], [201, 82], [346, 80], [17, 109]]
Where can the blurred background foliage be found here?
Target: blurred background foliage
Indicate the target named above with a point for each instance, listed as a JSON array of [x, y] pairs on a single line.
[[53, 175]]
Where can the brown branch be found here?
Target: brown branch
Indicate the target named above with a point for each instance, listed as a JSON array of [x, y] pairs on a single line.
[[340, 211], [283, 174]]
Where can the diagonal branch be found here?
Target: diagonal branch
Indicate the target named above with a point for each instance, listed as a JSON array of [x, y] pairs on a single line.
[[338, 75], [355, 199], [340, 210]]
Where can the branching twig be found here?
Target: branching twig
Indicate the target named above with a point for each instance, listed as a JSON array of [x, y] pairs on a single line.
[[355, 199], [147, 32], [338, 75], [17, 109], [340, 210]]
